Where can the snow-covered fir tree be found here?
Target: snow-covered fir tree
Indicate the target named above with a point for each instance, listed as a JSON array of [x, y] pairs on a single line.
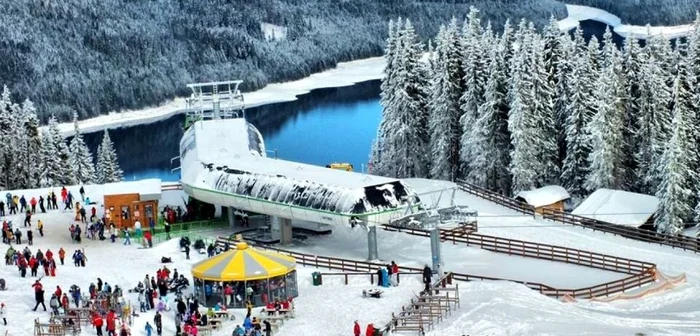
[[632, 70], [6, 131], [444, 106], [524, 165], [490, 138], [32, 146], [107, 169], [65, 175], [407, 137], [50, 162], [607, 157], [676, 189], [545, 134], [555, 69], [474, 64], [376, 163], [653, 126], [80, 157], [580, 110]]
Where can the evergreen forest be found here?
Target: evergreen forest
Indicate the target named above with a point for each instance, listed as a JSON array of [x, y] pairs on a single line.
[[521, 109]]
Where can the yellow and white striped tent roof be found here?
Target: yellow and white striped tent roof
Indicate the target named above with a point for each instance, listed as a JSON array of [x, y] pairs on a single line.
[[243, 264]]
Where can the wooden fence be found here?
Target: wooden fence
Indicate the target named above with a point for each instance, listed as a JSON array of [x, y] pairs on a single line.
[[349, 265], [346, 275], [680, 241]]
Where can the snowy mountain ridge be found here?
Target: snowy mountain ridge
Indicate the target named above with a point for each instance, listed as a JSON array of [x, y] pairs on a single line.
[[578, 13]]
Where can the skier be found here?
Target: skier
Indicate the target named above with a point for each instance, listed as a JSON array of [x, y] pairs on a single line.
[[427, 275], [61, 254], [2, 313], [82, 194], [356, 329], [97, 322], [40, 227], [158, 320], [149, 329], [41, 204], [28, 219], [38, 295], [32, 202]]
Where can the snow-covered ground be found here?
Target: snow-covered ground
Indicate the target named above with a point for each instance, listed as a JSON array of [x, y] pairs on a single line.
[[344, 74], [487, 308], [273, 32], [577, 13]]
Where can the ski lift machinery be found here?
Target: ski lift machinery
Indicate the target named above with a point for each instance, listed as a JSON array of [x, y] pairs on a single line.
[[435, 217]]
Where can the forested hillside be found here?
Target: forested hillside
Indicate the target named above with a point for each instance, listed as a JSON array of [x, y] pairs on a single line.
[[94, 56], [522, 109], [643, 12]]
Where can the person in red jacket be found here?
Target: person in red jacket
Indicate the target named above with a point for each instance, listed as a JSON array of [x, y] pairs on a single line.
[[370, 330], [97, 322], [147, 236], [48, 254], [356, 329], [65, 303], [111, 325], [58, 292]]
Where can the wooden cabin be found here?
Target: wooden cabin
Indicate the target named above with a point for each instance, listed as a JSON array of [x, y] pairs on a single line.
[[549, 197], [619, 207], [124, 207]]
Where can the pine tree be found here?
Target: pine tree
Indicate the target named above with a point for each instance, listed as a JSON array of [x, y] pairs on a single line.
[[80, 157], [490, 137], [607, 158], [556, 67], [107, 164], [523, 166], [544, 119], [580, 110], [445, 91], [6, 131], [408, 142], [66, 173], [474, 82], [676, 189], [50, 161], [653, 120], [632, 70], [32, 146], [387, 97]]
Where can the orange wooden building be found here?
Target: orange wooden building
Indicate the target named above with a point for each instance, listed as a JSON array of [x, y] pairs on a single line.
[[123, 209]]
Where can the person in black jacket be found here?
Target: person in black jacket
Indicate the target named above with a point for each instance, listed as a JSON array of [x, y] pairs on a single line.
[[158, 320], [427, 275]]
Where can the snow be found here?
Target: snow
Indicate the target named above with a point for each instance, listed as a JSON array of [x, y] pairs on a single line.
[[579, 13], [487, 308], [544, 196], [344, 74], [618, 207], [273, 32]]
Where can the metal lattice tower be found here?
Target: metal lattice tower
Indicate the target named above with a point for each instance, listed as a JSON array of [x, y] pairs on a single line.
[[215, 100]]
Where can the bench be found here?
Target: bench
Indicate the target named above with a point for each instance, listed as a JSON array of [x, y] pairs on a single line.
[[215, 323], [419, 329], [204, 330], [224, 315]]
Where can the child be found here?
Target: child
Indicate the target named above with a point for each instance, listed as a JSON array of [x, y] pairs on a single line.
[[149, 329]]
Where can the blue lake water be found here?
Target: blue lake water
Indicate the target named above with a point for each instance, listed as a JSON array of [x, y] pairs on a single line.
[[321, 127]]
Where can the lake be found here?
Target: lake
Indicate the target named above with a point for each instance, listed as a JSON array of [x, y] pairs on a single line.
[[321, 127]]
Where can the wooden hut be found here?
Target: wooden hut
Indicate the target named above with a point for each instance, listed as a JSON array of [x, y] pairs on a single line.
[[549, 197]]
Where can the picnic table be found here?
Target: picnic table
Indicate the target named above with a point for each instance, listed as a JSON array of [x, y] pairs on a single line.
[[224, 315]]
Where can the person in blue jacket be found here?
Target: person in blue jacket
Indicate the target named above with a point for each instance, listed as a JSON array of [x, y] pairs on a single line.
[[247, 323], [238, 331], [385, 277], [149, 329]]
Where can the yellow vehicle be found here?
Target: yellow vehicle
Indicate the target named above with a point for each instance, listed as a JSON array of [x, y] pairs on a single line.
[[340, 166]]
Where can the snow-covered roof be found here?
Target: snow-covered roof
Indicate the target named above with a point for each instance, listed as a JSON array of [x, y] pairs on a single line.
[[148, 190], [231, 164], [544, 196], [618, 207]]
